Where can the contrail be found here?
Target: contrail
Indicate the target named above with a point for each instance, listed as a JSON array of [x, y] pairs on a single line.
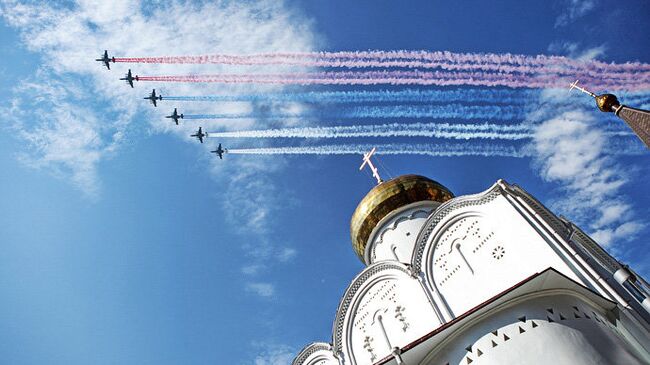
[[451, 111], [434, 130], [508, 63], [437, 78], [435, 149], [437, 130]]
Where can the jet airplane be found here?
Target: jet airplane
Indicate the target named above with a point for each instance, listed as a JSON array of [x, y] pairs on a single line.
[[220, 151], [153, 97], [199, 134], [129, 78], [106, 59], [175, 116]]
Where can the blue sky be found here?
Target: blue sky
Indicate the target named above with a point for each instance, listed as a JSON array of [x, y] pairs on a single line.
[[123, 241]]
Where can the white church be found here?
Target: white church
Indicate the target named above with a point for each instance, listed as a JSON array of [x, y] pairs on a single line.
[[491, 278]]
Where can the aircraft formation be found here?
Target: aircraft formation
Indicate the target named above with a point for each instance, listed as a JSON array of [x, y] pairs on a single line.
[[154, 98], [403, 68]]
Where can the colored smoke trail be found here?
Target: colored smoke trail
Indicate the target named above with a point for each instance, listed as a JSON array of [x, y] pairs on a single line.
[[437, 78], [508, 63], [437, 130], [500, 96], [434, 130], [468, 96], [439, 149], [453, 111]]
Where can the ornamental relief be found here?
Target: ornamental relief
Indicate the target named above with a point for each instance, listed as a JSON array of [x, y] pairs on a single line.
[[380, 312], [462, 247]]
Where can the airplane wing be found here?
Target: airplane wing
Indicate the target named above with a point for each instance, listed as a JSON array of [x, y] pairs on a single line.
[[200, 138], [154, 102], [107, 65]]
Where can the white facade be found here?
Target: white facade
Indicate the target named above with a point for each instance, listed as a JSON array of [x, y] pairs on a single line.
[[395, 235], [491, 278]]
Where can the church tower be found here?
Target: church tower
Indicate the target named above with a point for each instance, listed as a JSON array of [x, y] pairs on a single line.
[[490, 278], [637, 119]]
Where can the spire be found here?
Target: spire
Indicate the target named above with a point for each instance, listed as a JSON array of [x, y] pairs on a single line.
[[637, 119]]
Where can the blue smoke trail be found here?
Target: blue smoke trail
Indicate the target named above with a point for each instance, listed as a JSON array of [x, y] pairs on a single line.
[[501, 96], [468, 96], [453, 111]]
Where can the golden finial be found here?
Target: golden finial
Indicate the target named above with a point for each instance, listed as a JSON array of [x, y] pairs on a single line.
[[607, 103]]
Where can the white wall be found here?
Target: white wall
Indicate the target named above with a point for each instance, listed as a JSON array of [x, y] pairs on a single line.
[[395, 235], [477, 251], [583, 337], [383, 308]]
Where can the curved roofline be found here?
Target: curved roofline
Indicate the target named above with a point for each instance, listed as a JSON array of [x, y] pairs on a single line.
[[388, 197]]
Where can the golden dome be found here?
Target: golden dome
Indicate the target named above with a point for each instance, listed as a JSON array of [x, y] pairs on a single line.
[[387, 197], [607, 102]]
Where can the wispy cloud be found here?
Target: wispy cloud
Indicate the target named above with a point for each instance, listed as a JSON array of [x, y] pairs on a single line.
[[574, 9], [286, 254], [79, 113], [275, 355], [569, 151], [265, 290]]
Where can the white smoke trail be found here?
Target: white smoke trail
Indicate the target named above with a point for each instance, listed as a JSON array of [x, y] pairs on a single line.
[[484, 149], [437, 130], [433, 130], [433, 149]]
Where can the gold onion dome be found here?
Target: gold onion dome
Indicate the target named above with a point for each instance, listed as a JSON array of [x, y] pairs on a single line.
[[387, 197], [607, 103]]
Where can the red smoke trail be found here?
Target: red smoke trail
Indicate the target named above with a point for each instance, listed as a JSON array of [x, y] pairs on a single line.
[[438, 78], [412, 59]]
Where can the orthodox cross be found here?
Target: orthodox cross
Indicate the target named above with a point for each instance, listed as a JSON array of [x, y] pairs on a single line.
[[367, 161], [574, 85]]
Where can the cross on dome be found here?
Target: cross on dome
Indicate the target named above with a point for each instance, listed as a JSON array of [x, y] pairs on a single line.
[[371, 166]]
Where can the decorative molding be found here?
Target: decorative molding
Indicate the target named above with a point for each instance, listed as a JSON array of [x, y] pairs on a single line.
[[443, 211], [309, 350], [592, 248], [351, 292], [549, 217]]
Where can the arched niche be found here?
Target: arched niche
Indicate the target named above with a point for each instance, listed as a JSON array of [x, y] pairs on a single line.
[[383, 308], [474, 247], [394, 236]]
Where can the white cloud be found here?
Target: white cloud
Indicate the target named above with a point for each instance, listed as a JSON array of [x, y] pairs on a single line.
[[623, 232], [252, 269], [568, 150], [573, 10], [573, 50], [70, 134], [569, 147], [70, 36], [265, 290], [286, 254], [275, 355]]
